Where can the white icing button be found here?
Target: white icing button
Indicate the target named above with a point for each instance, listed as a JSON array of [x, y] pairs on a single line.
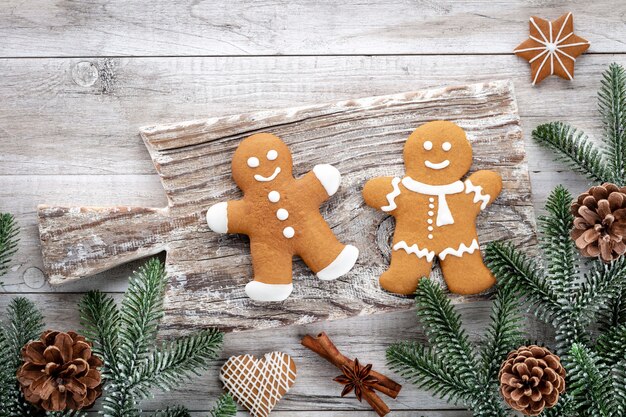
[[431, 213], [282, 214], [288, 232], [446, 146], [253, 162], [428, 145], [431, 199], [272, 155], [430, 236], [431, 206], [430, 221], [430, 228], [274, 196]]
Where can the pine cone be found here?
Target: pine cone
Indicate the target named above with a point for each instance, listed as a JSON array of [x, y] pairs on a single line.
[[531, 379], [60, 372], [600, 222]]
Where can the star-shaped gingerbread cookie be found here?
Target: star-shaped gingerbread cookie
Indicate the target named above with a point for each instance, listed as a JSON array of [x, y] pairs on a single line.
[[552, 48]]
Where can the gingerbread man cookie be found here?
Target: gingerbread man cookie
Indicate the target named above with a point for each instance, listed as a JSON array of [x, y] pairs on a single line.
[[281, 216], [435, 211]]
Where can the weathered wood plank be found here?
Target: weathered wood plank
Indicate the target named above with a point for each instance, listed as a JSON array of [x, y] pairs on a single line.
[[364, 337], [238, 27], [54, 119], [206, 269]]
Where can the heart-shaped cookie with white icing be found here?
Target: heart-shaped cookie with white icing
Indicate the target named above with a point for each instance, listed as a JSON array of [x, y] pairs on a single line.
[[258, 384]]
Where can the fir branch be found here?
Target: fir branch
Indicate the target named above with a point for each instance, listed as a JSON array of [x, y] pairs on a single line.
[[618, 376], [602, 283], [514, 269], [611, 345], [588, 385], [562, 256], [100, 320], [613, 313], [173, 412], [612, 107], [24, 323], [8, 240], [141, 310], [174, 360], [574, 148], [503, 334], [425, 369], [225, 407], [442, 325]]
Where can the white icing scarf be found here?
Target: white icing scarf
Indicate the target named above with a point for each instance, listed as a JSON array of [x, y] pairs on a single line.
[[444, 216]]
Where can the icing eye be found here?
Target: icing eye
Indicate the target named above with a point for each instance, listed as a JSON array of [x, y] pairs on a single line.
[[271, 155], [253, 162], [446, 146], [428, 145]]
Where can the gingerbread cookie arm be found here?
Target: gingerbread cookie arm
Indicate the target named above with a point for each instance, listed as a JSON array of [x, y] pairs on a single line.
[[323, 181], [484, 186], [380, 193], [228, 217]]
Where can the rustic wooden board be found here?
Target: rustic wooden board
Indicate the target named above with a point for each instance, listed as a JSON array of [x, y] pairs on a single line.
[[290, 27], [363, 138]]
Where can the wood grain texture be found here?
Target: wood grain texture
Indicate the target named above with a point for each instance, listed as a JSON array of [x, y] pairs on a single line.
[[363, 138], [284, 27], [50, 106]]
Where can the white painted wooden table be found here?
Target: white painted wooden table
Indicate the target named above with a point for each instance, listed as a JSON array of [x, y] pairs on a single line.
[[77, 80]]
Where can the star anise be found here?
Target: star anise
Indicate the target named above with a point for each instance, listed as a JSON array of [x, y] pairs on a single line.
[[356, 378]]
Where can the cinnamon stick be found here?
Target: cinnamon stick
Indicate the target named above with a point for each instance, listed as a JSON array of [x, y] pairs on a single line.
[[324, 347]]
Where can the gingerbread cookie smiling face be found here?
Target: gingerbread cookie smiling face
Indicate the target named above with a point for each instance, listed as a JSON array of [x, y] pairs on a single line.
[[434, 155], [281, 216], [435, 211]]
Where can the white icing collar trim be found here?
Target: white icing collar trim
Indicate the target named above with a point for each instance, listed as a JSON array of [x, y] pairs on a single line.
[[444, 216]]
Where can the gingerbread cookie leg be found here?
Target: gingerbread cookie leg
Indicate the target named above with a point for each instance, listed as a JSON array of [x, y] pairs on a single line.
[[405, 271], [466, 274], [324, 254], [272, 273]]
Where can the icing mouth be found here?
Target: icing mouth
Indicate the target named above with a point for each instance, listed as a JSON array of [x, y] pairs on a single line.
[[270, 178], [440, 165]]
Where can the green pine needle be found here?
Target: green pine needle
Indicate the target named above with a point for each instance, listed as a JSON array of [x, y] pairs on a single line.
[[503, 334], [126, 338], [442, 325], [172, 412], [618, 376], [588, 384], [611, 346], [513, 268], [173, 361], [556, 243], [601, 284], [428, 371], [612, 107], [573, 148], [100, 319], [8, 240], [225, 407], [23, 323], [140, 313]]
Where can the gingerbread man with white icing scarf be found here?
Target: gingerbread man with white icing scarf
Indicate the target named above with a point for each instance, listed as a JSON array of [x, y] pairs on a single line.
[[281, 216], [435, 211]]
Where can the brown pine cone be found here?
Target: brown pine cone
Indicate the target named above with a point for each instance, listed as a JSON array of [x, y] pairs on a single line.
[[60, 372], [600, 222], [531, 379]]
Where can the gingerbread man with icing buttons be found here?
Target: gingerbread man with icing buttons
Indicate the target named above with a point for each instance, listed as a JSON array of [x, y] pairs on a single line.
[[281, 216], [435, 211]]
